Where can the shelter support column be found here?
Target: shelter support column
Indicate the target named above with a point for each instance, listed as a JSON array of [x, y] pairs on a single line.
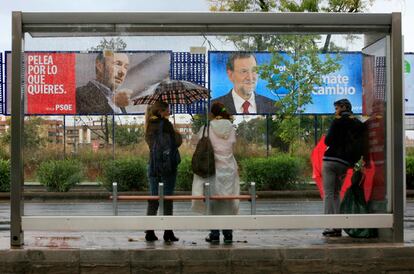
[[396, 128], [17, 117]]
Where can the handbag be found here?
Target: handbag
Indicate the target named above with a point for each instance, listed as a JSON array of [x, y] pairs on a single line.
[[203, 163], [354, 203]]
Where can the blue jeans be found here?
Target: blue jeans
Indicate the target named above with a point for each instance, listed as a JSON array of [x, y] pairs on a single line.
[[169, 186]]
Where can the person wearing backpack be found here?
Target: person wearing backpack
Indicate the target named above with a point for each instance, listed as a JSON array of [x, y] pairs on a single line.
[[225, 180], [345, 143], [163, 142]]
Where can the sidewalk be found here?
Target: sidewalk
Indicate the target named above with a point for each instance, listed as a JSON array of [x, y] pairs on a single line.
[[271, 251], [253, 251]]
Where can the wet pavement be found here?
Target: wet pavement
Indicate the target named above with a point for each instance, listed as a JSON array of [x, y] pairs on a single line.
[[188, 239]]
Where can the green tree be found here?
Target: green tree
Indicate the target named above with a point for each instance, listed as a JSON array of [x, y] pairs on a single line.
[[114, 44], [32, 133], [262, 42], [303, 69], [297, 71], [253, 131], [126, 135]]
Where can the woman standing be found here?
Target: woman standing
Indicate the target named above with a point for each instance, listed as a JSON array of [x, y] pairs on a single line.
[[226, 179], [163, 142]]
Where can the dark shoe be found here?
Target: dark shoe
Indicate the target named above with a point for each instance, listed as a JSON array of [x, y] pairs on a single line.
[[150, 236], [213, 240], [169, 236], [332, 232], [228, 240], [228, 236]]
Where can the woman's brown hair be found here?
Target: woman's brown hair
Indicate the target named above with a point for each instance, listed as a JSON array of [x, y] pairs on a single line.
[[154, 111], [219, 109]]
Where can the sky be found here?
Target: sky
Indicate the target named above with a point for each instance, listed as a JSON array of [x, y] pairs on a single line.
[[7, 6]]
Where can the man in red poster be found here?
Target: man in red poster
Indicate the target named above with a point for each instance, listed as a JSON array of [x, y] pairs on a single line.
[[100, 96]]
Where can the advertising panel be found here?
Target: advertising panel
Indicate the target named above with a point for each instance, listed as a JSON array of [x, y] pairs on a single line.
[[50, 83], [343, 83], [409, 83], [89, 83]]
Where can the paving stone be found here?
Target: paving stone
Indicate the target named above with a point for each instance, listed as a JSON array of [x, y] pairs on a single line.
[[398, 264], [108, 257], [149, 255], [255, 268], [305, 266], [357, 266], [53, 269], [160, 268], [14, 267], [205, 255], [249, 254], [53, 256], [100, 269], [207, 268], [349, 253], [303, 253], [13, 255]]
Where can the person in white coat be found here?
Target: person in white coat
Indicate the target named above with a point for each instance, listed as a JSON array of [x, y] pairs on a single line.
[[226, 179]]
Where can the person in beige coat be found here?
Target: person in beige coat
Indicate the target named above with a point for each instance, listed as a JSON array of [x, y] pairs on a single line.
[[226, 179]]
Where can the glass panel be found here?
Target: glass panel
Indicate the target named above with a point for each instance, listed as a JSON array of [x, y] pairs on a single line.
[[301, 75], [374, 95]]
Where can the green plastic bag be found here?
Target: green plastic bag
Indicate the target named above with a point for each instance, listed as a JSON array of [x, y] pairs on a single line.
[[354, 203]]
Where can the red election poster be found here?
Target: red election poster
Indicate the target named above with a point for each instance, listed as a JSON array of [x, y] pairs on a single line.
[[50, 86]]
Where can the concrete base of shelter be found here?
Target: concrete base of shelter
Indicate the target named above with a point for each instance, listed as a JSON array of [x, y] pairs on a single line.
[[268, 251]]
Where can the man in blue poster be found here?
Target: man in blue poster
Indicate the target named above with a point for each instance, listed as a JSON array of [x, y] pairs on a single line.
[[242, 98]]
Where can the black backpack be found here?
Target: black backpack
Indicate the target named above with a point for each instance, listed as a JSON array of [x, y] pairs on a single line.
[[202, 162], [164, 154]]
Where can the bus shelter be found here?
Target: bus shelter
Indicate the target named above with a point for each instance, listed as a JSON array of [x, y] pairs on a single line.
[[381, 33]]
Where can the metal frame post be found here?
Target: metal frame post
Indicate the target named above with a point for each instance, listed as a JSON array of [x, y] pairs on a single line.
[[315, 128], [207, 194], [64, 136], [161, 195], [115, 198], [253, 198], [397, 126], [17, 121], [113, 136], [2, 84], [267, 134]]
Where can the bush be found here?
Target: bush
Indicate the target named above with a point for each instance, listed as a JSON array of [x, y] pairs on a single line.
[[4, 151], [274, 173], [185, 175], [59, 175], [409, 164], [4, 175], [129, 173]]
